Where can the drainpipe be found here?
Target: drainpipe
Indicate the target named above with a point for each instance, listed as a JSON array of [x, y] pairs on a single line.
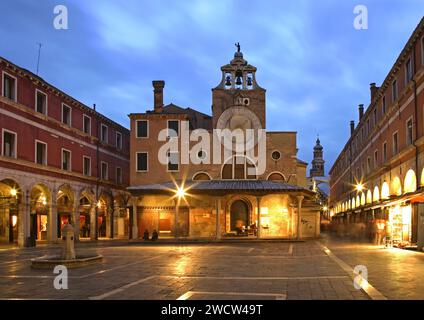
[[96, 210], [416, 125]]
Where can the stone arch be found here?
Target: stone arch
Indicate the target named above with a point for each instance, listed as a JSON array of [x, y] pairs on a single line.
[[385, 190], [276, 176], [65, 190], [240, 214], [369, 196], [65, 200], [422, 178], [231, 169], [376, 194], [410, 182], [88, 194], [40, 202], [10, 187], [243, 198], [353, 203], [396, 186], [363, 198], [358, 200], [12, 194], [201, 176]]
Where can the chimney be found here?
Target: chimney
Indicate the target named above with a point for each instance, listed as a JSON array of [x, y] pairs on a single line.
[[158, 86], [352, 127], [374, 90], [361, 111], [94, 106]]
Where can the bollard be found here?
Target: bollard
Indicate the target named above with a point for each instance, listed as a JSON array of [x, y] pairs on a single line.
[[68, 252]]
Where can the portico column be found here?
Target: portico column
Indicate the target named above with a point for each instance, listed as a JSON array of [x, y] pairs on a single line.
[[76, 218], [176, 219], [134, 219], [258, 200], [52, 219], [299, 220], [93, 224], [23, 219], [218, 218], [109, 222], [115, 220]]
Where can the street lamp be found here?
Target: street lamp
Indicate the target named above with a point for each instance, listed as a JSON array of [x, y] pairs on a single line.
[[13, 192], [359, 187], [180, 192]]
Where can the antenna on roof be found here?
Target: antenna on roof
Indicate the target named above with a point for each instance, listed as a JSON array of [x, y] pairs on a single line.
[[39, 53]]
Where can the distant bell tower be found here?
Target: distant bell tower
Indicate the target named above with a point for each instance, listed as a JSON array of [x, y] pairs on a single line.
[[317, 169]]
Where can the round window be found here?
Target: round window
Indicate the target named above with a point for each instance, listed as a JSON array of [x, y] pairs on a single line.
[[276, 155], [201, 155]]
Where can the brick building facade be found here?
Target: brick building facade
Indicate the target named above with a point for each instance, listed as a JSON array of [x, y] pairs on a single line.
[[379, 176], [204, 198], [60, 162]]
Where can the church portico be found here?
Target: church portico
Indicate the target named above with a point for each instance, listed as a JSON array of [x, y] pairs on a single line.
[[222, 210]]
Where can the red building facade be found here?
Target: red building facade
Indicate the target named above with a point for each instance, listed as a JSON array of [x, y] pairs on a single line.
[[60, 162], [378, 178]]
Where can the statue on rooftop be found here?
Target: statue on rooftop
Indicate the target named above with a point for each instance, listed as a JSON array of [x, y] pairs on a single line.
[[238, 46]]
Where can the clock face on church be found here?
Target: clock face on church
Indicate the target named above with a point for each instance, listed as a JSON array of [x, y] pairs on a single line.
[[238, 117]]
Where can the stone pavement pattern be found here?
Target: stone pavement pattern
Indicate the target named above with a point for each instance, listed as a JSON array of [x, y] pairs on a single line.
[[277, 270]]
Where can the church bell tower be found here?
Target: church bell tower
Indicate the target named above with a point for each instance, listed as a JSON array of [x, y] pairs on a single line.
[[238, 97], [318, 161]]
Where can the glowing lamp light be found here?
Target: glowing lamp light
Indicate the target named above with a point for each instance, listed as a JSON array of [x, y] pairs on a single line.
[[264, 210], [13, 192], [325, 208], [359, 187], [43, 200], [99, 204], [180, 192], [14, 220]]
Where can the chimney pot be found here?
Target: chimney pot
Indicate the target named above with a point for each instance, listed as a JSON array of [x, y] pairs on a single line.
[[361, 111], [158, 86], [374, 90], [352, 127]]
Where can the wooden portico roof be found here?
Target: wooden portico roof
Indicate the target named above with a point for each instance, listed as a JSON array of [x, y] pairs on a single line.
[[222, 187]]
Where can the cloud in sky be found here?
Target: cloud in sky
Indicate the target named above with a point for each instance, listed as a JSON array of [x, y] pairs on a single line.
[[315, 66]]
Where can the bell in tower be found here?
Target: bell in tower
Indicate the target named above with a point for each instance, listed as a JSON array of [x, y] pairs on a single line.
[[238, 81], [228, 81], [249, 81], [238, 74]]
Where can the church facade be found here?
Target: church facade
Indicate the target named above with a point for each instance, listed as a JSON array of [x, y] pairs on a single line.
[[194, 175]]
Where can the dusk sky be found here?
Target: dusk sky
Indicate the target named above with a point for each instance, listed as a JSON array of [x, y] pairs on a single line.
[[315, 65]]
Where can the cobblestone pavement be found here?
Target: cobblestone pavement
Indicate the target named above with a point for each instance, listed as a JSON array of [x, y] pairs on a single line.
[[253, 270]]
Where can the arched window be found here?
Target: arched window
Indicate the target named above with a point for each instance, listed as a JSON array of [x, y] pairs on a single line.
[[410, 183], [396, 187], [238, 167], [369, 196], [376, 194], [385, 193], [276, 176], [201, 176]]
